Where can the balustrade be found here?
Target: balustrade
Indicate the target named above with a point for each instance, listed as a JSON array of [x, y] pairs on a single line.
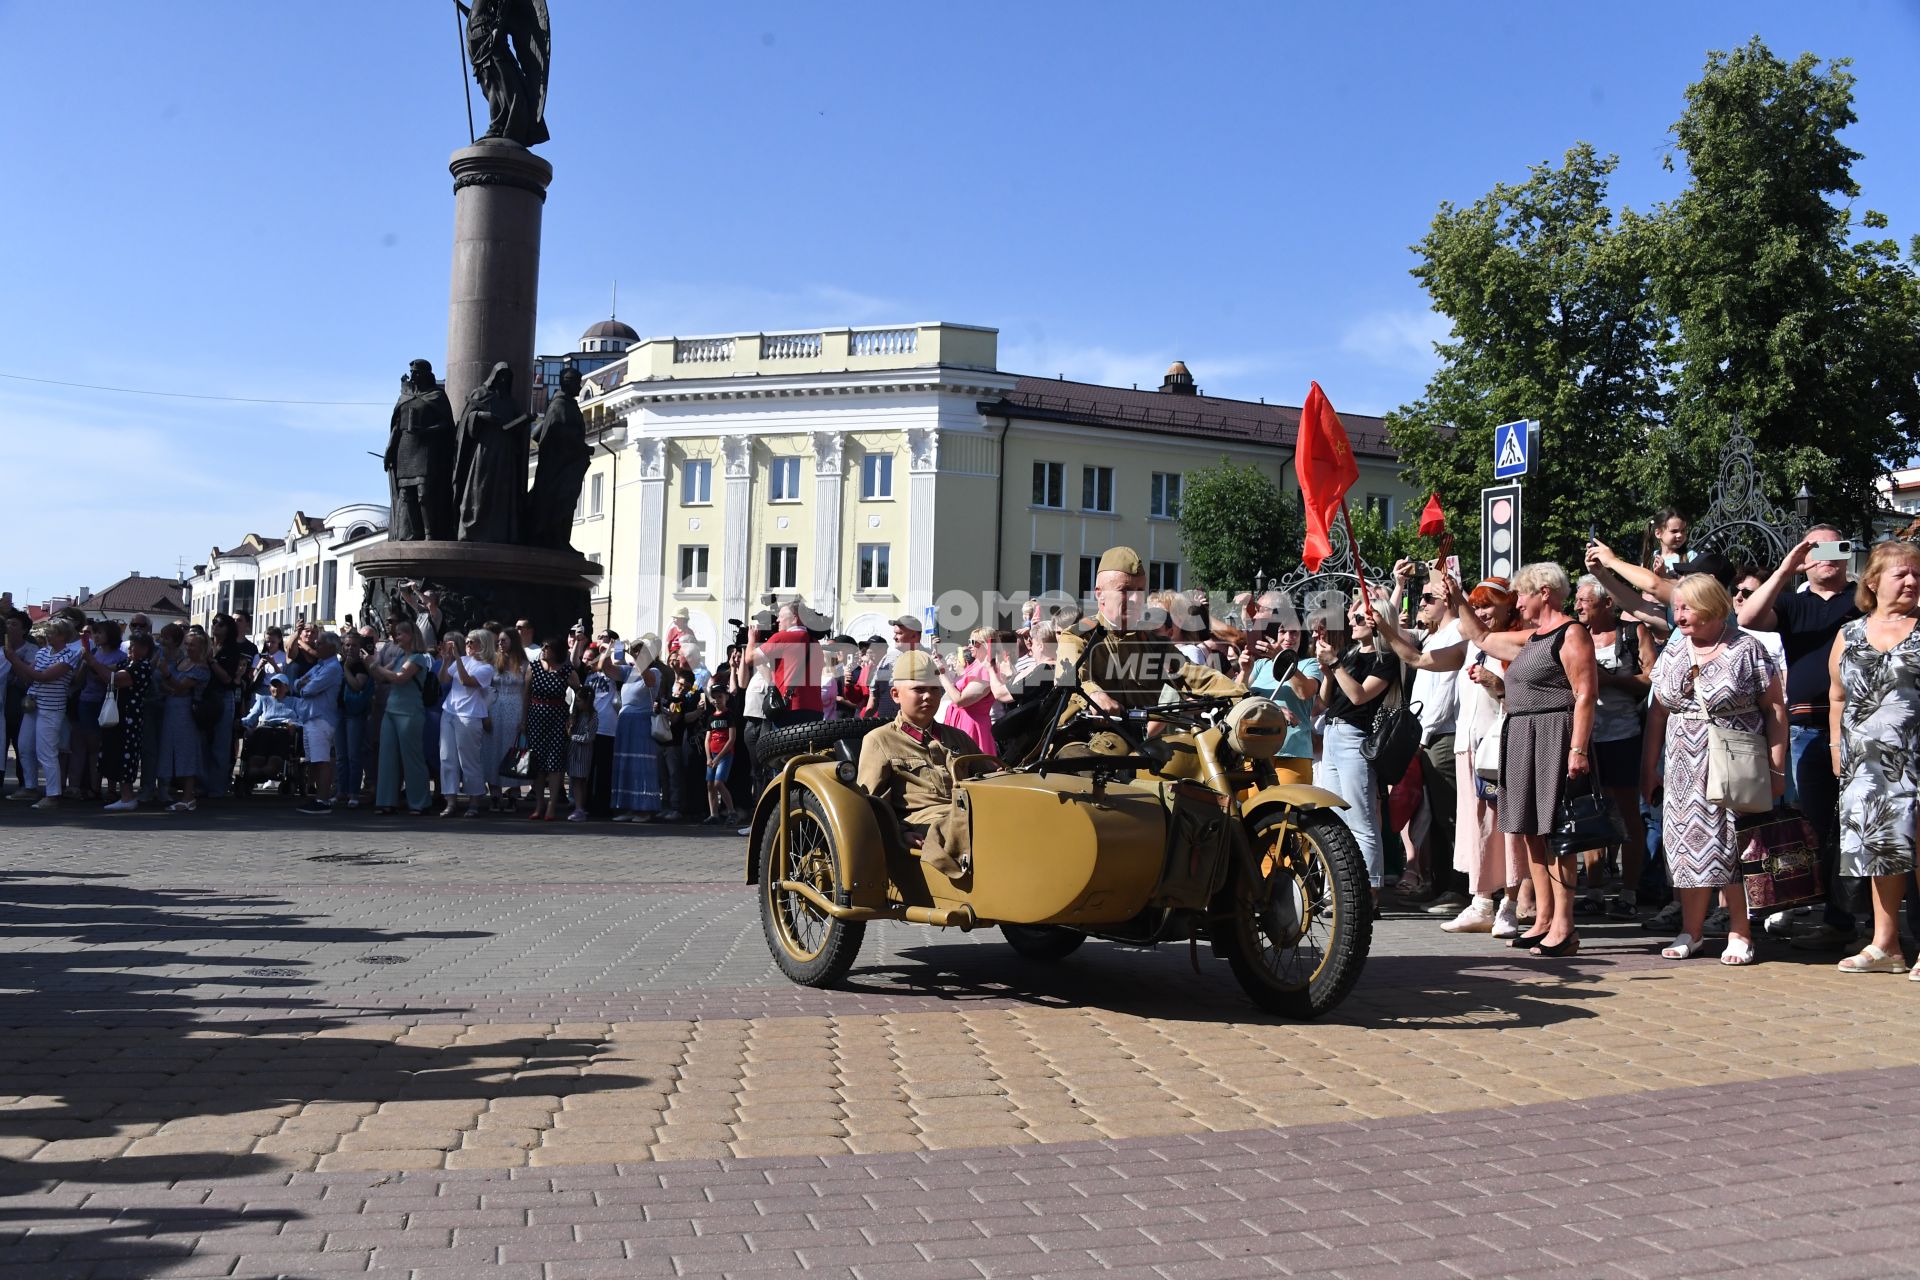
[[790, 346], [884, 342], [702, 350]]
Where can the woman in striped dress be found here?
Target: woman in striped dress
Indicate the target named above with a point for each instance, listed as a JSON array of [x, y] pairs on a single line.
[[509, 713], [636, 757], [182, 680], [1551, 688]]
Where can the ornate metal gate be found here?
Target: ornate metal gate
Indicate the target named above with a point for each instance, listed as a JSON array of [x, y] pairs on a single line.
[[1743, 524], [1328, 590]]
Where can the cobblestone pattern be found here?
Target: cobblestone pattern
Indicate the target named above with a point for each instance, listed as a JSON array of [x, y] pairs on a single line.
[[1691, 1182], [375, 1095]]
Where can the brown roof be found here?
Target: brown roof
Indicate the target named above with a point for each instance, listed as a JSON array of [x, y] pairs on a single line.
[[137, 594], [1203, 417], [266, 544]]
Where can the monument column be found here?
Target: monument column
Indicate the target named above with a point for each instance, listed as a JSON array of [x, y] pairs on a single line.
[[499, 188]]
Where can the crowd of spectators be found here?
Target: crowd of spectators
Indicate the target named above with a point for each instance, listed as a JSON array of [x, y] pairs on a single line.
[[1621, 681]]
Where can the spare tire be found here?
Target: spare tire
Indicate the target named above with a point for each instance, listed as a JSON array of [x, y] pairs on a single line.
[[775, 745]]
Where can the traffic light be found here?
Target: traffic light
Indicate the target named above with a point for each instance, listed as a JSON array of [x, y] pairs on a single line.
[[1500, 531]]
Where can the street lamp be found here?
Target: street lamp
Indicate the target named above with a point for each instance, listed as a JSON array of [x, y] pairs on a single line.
[[1803, 503]]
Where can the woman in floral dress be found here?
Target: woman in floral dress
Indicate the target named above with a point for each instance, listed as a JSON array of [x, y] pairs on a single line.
[[1711, 673], [1874, 672], [133, 685]]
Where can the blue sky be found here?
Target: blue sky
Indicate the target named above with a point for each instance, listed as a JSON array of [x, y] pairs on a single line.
[[251, 199]]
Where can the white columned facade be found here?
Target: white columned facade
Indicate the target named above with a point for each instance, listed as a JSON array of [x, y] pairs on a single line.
[[829, 494], [651, 574], [923, 466], [736, 541]]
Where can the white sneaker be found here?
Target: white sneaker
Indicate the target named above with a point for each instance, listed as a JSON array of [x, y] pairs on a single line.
[[1506, 923], [1780, 924], [1475, 917], [120, 806]]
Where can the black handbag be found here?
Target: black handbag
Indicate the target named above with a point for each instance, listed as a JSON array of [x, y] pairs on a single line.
[[1584, 820], [1393, 742]]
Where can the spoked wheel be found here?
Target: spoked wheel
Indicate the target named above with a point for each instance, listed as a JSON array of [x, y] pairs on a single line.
[[1298, 941], [810, 946], [1043, 942]]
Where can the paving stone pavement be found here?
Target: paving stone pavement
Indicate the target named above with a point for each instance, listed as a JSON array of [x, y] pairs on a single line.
[[255, 1044]]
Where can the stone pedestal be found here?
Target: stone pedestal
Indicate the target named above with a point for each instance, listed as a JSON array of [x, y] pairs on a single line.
[[480, 582], [499, 189]]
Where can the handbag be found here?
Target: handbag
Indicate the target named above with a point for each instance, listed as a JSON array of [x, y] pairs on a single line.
[[1404, 796], [662, 728], [1584, 820], [1486, 753], [1738, 776], [1780, 859], [1393, 741], [110, 710], [517, 763]]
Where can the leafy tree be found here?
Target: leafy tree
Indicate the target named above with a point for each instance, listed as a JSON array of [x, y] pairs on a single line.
[[1548, 300], [1235, 522], [1812, 338], [1383, 545]]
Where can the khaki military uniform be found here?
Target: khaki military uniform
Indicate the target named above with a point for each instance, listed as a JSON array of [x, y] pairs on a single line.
[[912, 769], [1131, 667]]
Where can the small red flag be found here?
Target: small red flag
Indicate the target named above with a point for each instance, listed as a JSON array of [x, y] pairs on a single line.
[[1433, 521], [1323, 460]]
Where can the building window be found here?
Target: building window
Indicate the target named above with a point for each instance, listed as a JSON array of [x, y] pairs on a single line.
[[1089, 570], [876, 476], [599, 496], [1163, 575], [1165, 499], [783, 568], [1381, 505], [693, 568], [696, 482], [1049, 484], [1043, 576], [876, 567], [1096, 488], [580, 506], [783, 478]]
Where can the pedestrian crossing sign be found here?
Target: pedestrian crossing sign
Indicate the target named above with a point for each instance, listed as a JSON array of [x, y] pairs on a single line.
[[1512, 452]]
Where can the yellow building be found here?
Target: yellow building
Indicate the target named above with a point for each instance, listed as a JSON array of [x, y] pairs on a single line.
[[880, 471]]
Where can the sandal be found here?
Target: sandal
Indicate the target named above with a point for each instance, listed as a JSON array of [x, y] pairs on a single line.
[[1873, 960], [1738, 951], [1684, 947]]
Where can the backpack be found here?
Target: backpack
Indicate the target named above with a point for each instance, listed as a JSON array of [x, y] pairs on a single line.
[[431, 691]]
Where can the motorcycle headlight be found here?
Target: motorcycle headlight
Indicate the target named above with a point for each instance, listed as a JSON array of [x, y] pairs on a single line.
[[1256, 728]]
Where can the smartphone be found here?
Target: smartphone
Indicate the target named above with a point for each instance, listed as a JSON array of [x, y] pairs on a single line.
[[619, 650], [1840, 550]]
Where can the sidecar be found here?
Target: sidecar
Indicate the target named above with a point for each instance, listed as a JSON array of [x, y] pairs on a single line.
[[1191, 834]]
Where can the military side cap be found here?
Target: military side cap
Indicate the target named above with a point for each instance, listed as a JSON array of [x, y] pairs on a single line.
[[915, 666], [1122, 560]]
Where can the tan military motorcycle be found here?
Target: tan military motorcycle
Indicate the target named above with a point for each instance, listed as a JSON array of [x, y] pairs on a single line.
[[1166, 824]]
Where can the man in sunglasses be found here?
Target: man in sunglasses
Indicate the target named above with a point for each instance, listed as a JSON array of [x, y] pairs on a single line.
[[1437, 691]]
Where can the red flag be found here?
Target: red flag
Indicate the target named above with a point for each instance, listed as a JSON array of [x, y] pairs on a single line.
[[1433, 521], [1323, 460]]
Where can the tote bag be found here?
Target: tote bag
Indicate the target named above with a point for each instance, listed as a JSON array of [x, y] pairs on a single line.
[[1738, 776]]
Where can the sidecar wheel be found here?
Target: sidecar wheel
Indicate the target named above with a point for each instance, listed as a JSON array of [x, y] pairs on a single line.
[[1046, 943], [1297, 942], [810, 946]]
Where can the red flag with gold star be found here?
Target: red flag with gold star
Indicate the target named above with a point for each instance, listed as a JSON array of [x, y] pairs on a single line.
[[1323, 460]]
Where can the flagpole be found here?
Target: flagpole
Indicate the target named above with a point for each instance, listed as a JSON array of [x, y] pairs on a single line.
[[1359, 569]]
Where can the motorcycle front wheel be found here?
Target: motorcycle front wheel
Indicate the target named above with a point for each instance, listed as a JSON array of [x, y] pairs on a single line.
[[1298, 939]]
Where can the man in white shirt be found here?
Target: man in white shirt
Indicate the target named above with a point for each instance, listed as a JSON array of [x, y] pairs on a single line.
[[1438, 696]]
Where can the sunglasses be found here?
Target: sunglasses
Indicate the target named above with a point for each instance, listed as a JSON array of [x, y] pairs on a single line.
[[1427, 597], [1738, 592]]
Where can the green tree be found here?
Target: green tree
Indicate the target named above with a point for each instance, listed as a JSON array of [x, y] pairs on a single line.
[[1777, 314], [1235, 522], [1548, 297]]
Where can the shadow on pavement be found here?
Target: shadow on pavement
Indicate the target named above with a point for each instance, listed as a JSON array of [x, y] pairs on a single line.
[[124, 1067], [1161, 983]]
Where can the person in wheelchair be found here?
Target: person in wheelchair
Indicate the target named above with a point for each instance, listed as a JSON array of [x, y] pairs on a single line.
[[908, 763], [272, 727]]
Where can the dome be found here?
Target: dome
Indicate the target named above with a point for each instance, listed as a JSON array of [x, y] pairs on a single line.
[[610, 329], [1178, 370]]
